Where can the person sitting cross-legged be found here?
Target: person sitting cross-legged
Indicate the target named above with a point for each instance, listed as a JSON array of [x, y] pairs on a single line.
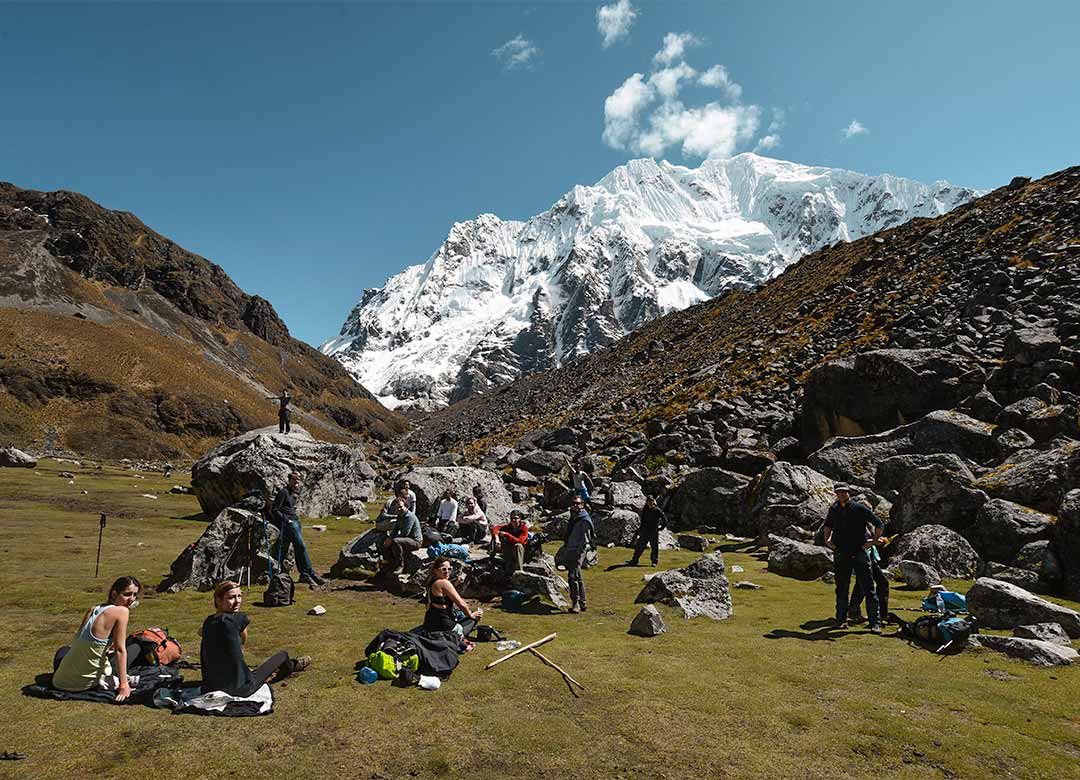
[[509, 541]]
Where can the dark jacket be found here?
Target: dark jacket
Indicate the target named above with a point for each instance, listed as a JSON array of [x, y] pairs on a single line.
[[848, 524], [652, 520], [284, 508], [579, 534]]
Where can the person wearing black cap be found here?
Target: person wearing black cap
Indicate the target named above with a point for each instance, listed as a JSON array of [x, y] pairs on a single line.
[[846, 535]]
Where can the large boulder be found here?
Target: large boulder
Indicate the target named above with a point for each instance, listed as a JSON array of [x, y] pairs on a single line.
[[950, 554], [893, 473], [626, 495], [918, 575], [648, 622], [1067, 542], [999, 604], [935, 494], [1002, 528], [429, 483], [1044, 632], [856, 459], [550, 587], [1036, 479], [541, 462], [802, 561], [1041, 557], [700, 589], [787, 495], [16, 459], [235, 543], [881, 389], [711, 497], [1036, 651], [360, 552], [260, 460], [1028, 346]]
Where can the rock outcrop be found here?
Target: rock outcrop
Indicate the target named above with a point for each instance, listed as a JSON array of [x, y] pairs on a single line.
[[802, 561], [700, 589], [941, 548], [998, 604]]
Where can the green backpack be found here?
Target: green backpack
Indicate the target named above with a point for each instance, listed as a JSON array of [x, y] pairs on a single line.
[[388, 667]]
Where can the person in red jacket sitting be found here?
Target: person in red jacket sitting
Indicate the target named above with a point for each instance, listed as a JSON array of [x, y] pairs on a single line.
[[510, 541]]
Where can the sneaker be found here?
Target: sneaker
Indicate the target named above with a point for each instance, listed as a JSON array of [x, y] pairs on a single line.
[[574, 609], [840, 624], [875, 629], [653, 564], [583, 608], [296, 665]]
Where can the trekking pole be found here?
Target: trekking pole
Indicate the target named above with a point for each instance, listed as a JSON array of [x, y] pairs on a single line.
[[101, 532]]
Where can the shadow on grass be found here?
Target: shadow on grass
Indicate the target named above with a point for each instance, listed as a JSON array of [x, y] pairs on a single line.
[[627, 565], [532, 607], [733, 547], [198, 517]]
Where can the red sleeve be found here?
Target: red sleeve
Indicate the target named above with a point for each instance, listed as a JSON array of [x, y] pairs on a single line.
[[522, 538]]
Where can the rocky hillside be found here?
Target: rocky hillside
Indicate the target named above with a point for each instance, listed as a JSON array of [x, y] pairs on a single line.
[[934, 366], [116, 342], [500, 300]]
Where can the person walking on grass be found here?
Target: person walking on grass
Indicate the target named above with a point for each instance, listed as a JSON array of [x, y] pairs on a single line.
[[221, 651], [653, 520], [284, 413], [283, 516], [579, 540], [846, 535]]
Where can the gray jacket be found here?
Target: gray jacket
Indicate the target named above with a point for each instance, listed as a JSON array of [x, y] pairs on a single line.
[[407, 525], [579, 534]]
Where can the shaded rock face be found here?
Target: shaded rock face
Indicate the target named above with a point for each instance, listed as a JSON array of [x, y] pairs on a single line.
[[881, 389], [13, 458], [1037, 652], [856, 460], [700, 589], [789, 495], [234, 542], [918, 575], [802, 561], [541, 463], [1067, 542], [934, 494], [946, 551], [648, 622], [429, 483], [260, 460], [999, 604], [360, 552], [1036, 479], [550, 587], [711, 497], [1044, 632], [1002, 528], [626, 495]]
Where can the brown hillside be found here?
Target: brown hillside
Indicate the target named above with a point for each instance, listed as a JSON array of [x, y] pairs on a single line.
[[116, 342], [912, 286]]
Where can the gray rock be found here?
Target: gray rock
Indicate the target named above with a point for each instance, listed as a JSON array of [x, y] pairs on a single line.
[[16, 459], [360, 552], [620, 527], [747, 585], [691, 542], [712, 497], [557, 495], [222, 552], [799, 560], [1036, 479], [918, 575], [541, 462], [1044, 632], [1014, 415], [429, 483], [1011, 440], [626, 495], [548, 587], [443, 459], [1053, 421], [261, 460], [1028, 346], [788, 495], [999, 604], [894, 473], [700, 589], [941, 548], [934, 494], [1023, 578], [523, 478], [1067, 542], [1038, 653], [747, 461], [1001, 528], [648, 622]]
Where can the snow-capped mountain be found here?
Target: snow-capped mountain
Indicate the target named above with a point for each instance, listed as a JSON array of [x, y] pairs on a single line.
[[501, 299]]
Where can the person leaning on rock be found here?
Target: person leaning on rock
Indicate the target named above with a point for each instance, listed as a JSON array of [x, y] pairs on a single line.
[[652, 520], [846, 535], [404, 535], [283, 516], [509, 541]]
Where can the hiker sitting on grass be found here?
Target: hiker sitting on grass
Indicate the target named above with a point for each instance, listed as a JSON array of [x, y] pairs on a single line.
[[442, 597], [87, 662], [403, 535], [222, 651], [509, 541]]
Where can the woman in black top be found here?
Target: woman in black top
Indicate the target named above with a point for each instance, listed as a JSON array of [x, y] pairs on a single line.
[[222, 650], [442, 597]]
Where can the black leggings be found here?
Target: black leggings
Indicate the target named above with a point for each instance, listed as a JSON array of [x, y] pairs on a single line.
[[263, 673]]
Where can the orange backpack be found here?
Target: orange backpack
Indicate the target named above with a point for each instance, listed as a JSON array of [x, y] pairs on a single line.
[[157, 647]]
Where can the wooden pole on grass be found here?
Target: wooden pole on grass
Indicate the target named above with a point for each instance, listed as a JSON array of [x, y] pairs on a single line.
[[557, 668], [520, 650]]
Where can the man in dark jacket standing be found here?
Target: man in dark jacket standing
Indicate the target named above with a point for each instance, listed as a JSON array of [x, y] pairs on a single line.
[[283, 516], [846, 535], [652, 520], [579, 539]]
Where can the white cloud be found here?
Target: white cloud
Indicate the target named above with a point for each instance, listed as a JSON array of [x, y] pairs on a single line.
[[518, 52], [717, 76], [855, 128], [666, 81], [779, 119], [621, 110], [767, 142], [614, 21], [675, 44]]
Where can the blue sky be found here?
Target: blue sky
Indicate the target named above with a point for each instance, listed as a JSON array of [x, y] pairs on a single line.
[[314, 149]]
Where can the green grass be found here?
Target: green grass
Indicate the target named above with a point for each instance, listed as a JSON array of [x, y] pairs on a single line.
[[704, 700]]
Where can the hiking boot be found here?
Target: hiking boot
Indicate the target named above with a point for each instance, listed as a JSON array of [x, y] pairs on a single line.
[[296, 665], [653, 564], [314, 581], [574, 609], [840, 624], [876, 629], [583, 607]]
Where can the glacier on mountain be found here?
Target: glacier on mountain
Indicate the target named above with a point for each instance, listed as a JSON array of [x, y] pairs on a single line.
[[502, 299]]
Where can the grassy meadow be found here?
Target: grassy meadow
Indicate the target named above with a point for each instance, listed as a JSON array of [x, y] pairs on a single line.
[[767, 693]]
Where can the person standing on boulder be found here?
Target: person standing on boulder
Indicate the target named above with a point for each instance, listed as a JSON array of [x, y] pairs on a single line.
[[846, 535], [582, 482], [579, 540], [283, 516], [284, 415], [652, 520]]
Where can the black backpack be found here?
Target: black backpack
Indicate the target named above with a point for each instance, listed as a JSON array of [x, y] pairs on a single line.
[[279, 593]]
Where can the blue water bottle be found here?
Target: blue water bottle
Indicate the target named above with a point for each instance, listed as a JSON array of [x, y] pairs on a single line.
[[368, 675]]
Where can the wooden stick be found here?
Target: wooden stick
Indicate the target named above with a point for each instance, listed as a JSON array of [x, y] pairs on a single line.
[[520, 650], [556, 667]]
